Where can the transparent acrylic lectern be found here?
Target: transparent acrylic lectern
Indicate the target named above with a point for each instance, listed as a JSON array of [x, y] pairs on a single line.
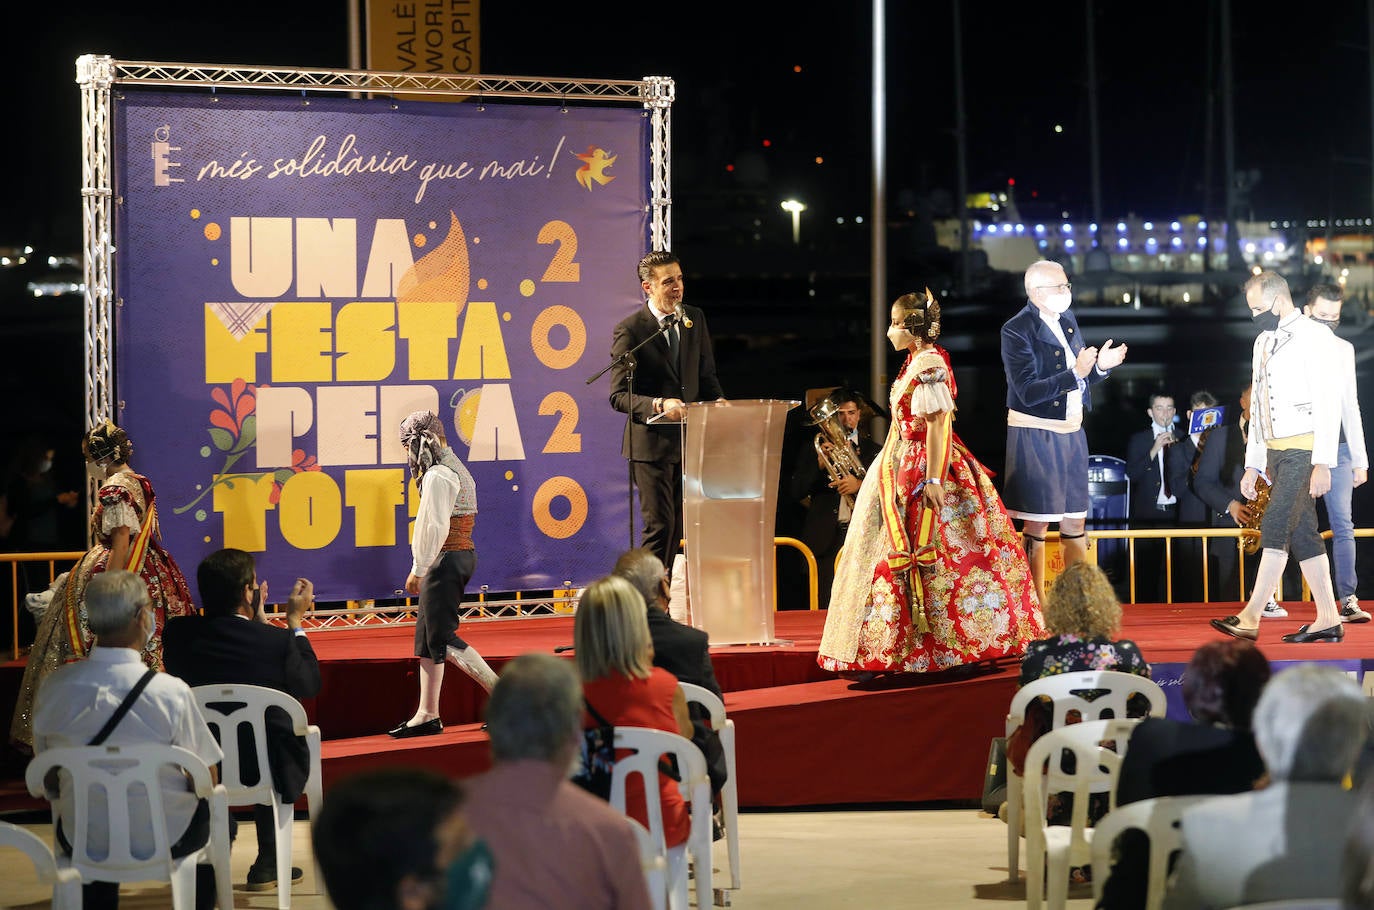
[[731, 455]]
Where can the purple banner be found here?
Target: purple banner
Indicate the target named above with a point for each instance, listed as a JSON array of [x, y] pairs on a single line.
[[296, 275]]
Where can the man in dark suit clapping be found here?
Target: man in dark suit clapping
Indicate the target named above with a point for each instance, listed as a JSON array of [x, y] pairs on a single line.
[[233, 643]]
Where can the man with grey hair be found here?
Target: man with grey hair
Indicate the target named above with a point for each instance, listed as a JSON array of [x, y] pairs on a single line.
[[78, 701], [1277, 843], [680, 649], [555, 845], [1293, 432], [1050, 371]]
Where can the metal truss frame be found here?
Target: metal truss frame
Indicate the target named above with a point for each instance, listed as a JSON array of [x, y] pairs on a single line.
[[98, 75]]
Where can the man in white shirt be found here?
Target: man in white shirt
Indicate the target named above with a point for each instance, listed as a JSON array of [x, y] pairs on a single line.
[[1294, 425], [1154, 499], [1352, 461], [77, 700], [444, 557]]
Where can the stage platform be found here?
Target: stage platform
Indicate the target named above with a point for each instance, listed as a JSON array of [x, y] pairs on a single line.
[[804, 737]]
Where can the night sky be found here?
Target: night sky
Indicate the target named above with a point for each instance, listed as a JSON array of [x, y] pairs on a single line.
[[1301, 98]]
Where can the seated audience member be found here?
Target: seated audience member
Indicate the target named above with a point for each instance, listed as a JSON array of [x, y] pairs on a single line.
[[1082, 614], [396, 839], [1358, 865], [1279, 842], [621, 684], [555, 845], [76, 702], [680, 649], [1214, 754], [234, 643]]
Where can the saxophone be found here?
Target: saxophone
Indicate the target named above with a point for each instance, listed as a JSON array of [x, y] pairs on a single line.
[[1256, 515]]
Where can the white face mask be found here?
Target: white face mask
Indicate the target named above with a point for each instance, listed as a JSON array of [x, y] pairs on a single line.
[[900, 337], [1058, 303], [45, 465]]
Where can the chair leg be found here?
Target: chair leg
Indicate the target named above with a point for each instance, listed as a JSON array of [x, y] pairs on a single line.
[[217, 850], [283, 816], [184, 883], [679, 896], [1057, 877], [730, 804], [1013, 825], [1035, 878]]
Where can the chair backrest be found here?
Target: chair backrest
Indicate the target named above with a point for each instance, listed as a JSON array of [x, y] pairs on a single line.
[[121, 786], [1093, 770], [1066, 692], [227, 709], [65, 883], [648, 745], [32, 846], [1159, 819], [707, 699]]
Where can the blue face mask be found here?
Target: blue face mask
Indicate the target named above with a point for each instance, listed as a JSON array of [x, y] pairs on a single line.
[[467, 882]]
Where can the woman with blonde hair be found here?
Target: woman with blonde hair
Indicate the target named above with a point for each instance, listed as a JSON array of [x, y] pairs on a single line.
[[622, 687], [1082, 614]]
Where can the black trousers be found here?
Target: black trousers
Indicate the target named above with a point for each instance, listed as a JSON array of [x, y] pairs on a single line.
[[1290, 520], [660, 506], [441, 593]]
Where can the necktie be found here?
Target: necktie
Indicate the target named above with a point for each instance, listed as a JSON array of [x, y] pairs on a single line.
[[671, 336], [1164, 475]]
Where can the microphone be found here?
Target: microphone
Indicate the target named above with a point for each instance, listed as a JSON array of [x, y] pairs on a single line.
[[682, 316]]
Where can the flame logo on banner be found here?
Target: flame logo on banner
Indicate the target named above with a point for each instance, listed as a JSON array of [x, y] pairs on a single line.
[[440, 275], [595, 162]]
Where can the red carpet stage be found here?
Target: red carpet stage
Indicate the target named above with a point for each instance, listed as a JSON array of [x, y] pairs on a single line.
[[803, 736]]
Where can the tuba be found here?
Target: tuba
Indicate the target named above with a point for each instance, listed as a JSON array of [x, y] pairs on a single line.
[[1257, 507], [832, 444]]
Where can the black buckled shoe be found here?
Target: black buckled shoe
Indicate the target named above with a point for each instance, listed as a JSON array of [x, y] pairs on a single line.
[[1231, 626], [1302, 636], [428, 728]]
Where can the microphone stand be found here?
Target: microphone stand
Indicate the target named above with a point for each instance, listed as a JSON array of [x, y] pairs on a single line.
[[627, 359]]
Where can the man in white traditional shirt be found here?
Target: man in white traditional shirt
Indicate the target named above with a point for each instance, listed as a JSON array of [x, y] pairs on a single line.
[[1294, 425], [444, 557], [1352, 461]]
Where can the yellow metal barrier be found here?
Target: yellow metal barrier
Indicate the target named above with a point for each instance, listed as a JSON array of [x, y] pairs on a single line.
[[67, 559]]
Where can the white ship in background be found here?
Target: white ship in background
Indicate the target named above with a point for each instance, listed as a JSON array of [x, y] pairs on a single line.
[[1137, 261]]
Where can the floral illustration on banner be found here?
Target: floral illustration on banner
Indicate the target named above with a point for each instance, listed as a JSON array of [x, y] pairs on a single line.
[[233, 430], [299, 462]]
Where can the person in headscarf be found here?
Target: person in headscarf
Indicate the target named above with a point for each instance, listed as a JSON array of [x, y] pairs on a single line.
[[444, 558]]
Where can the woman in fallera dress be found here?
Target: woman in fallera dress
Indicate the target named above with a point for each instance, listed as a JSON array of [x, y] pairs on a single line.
[[933, 574], [125, 529]]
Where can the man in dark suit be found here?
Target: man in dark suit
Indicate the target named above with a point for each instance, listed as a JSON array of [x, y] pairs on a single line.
[[1153, 503], [680, 649], [673, 369], [1182, 460], [828, 502], [233, 643]]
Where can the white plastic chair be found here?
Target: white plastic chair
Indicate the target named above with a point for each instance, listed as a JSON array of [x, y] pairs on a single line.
[[118, 772], [66, 882], [729, 794], [653, 860], [648, 745], [1060, 690], [1159, 819], [226, 708], [1095, 770]]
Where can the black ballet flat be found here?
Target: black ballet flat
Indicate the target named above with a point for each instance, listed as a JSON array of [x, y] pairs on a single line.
[[428, 728], [1231, 626], [1302, 636]]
